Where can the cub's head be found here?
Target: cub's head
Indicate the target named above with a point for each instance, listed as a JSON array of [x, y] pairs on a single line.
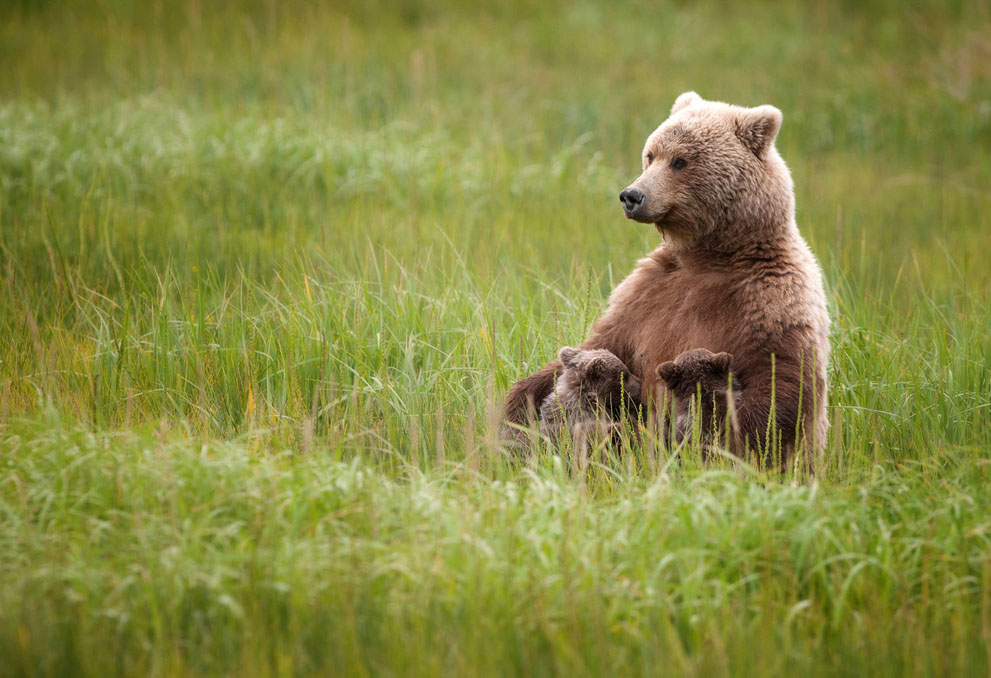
[[598, 373], [711, 168], [699, 366]]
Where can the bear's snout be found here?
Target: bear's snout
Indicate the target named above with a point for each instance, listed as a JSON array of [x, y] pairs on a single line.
[[632, 200]]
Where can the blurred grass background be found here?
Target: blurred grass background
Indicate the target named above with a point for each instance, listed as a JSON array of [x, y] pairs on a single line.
[[253, 248]]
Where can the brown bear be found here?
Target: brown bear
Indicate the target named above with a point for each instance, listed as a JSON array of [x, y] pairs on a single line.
[[699, 381], [595, 392], [732, 274]]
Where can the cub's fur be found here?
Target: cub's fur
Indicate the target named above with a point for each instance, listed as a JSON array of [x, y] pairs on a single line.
[[595, 391], [699, 380]]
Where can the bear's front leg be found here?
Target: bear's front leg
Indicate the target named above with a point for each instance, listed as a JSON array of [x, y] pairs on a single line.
[[523, 403]]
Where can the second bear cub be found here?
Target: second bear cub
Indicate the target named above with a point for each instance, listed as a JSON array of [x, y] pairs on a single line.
[[699, 381], [595, 391]]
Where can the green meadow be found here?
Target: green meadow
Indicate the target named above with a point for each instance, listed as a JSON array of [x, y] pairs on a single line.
[[268, 268]]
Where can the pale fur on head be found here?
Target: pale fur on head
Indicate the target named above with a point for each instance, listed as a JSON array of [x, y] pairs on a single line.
[[733, 188]]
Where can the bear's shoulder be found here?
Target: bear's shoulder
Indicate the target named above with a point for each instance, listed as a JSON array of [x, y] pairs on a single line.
[[781, 289]]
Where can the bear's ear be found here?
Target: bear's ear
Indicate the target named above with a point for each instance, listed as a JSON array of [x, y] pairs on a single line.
[[568, 355], [684, 101], [722, 361], [757, 127], [668, 372]]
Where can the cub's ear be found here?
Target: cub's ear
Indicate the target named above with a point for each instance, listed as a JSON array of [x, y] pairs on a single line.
[[567, 355], [722, 361], [757, 127], [668, 372], [596, 368], [685, 100]]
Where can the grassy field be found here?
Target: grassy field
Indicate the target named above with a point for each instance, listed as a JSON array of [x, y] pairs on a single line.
[[268, 269]]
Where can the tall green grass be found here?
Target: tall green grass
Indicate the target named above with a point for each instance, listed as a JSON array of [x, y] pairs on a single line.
[[268, 268], [130, 554]]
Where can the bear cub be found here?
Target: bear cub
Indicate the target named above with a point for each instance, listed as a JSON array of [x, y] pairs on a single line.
[[696, 372], [594, 393]]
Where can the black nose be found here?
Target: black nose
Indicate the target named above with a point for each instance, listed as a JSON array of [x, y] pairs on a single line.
[[632, 200]]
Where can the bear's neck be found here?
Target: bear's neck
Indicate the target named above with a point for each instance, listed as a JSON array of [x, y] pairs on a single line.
[[733, 239]]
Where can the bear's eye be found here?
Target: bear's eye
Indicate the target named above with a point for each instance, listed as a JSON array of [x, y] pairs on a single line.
[[678, 163], [650, 158]]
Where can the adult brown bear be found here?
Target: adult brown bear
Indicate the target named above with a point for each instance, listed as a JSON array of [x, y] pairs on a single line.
[[733, 274]]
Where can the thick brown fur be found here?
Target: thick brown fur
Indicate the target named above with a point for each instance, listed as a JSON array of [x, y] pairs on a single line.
[[595, 392], [699, 380], [733, 274]]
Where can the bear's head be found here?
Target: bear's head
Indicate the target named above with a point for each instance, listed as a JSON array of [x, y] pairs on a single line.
[[699, 366], [711, 175], [599, 375]]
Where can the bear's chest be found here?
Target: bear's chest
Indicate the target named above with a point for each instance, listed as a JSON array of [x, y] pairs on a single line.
[[673, 310], [682, 305]]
